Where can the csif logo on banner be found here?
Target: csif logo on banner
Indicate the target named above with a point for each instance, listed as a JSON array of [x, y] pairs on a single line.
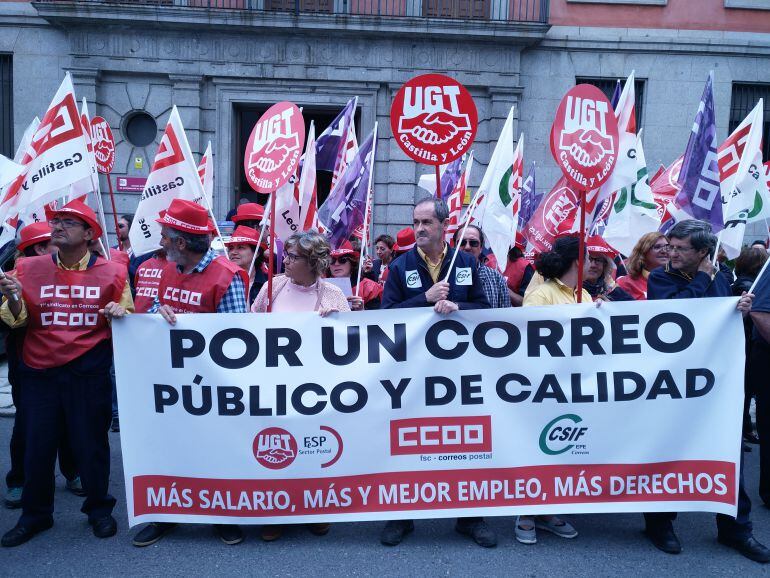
[[563, 434]]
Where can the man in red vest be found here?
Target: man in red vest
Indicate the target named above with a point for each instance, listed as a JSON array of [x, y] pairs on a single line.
[[66, 301], [195, 280], [147, 281]]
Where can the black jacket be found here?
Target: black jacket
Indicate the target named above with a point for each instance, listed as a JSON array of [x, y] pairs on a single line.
[[409, 279]]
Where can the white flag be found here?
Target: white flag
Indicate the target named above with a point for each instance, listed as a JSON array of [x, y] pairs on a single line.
[[206, 173], [57, 156], [501, 187], [174, 175], [308, 188], [634, 212], [9, 171], [742, 180], [625, 172]]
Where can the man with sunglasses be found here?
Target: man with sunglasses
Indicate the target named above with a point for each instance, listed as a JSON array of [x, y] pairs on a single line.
[[421, 278], [66, 302], [690, 274], [494, 284]]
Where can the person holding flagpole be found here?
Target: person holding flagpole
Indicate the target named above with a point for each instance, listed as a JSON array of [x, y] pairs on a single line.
[[64, 371], [691, 274], [432, 274], [195, 280]]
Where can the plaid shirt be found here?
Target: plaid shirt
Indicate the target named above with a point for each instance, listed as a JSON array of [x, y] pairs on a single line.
[[495, 287], [234, 299]]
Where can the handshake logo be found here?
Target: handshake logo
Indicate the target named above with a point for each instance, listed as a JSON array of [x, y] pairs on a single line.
[[585, 136], [431, 114]]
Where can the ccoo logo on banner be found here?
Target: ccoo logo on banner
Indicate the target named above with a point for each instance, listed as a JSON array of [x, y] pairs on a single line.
[[584, 137], [434, 119], [274, 147]]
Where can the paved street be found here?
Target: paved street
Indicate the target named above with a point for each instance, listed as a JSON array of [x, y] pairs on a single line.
[[607, 545]]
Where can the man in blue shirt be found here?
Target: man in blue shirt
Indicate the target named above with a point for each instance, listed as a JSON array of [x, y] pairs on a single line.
[[421, 278], [691, 275]]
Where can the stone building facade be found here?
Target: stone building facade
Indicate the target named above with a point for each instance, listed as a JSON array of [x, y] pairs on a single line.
[[140, 58]]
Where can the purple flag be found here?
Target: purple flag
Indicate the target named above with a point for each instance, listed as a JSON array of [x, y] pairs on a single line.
[[450, 178], [699, 196], [344, 209], [328, 144], [530, 199], [616, 95]]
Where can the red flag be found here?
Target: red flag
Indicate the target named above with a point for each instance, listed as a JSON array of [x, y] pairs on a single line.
[[554, 216]]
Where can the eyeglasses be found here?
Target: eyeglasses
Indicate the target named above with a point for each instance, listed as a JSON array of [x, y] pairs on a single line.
[[472, 242], [292, 257], [677, 249], [661, 247], [340, 260], [65, 223]]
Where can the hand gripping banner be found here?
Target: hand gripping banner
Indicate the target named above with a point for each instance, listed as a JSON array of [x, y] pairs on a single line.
[[293, 418]]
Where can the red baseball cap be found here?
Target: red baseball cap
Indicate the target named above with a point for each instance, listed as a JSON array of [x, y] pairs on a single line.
[[79, 210], [596, 245], [345, 249], [188, 217], [246, 236], [405, 240], [33, 234], [249, 212]]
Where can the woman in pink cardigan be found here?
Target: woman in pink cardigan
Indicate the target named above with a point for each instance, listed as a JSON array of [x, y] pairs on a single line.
[[302, 288], [306, 258]]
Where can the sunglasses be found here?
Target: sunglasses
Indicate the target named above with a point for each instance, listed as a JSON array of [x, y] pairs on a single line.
[[472, 242], [340, 260]]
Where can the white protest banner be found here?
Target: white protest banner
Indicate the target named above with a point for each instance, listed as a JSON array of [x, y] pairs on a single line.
[[294, 418]]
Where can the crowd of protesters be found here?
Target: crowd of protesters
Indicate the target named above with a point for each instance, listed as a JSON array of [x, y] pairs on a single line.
[[62, 374]]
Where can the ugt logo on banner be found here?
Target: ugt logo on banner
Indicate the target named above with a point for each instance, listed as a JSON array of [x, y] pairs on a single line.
[[584, 137], [274, 147], [104, 144], [434, 119]]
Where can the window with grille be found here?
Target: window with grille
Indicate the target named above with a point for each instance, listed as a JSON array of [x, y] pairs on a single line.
[[745, 98], [6, 105], [607, 86]]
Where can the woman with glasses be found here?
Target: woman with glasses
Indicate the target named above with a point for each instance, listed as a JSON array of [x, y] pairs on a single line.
[[650, 252], [599, 280], [302, 288], [241, 249], [344, 263]]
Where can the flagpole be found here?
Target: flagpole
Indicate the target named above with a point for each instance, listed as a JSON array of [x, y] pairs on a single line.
[[100, 208], [259, 242], [467, 218], [581, 245], [365, 236], [214, 220], [271, 257], [438, 181], [114, 210], [759, 276]]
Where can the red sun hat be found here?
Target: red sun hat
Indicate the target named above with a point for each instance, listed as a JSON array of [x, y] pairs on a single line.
[[345, 249], [79, 210], [33, 234], [244, 235], [596, 245], [405, 240], [188, 217], [249, 212]]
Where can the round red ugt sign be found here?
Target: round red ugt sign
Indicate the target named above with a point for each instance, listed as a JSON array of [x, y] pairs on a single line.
[[104, 145], [584, 137], [434, 119], [274, 147]]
